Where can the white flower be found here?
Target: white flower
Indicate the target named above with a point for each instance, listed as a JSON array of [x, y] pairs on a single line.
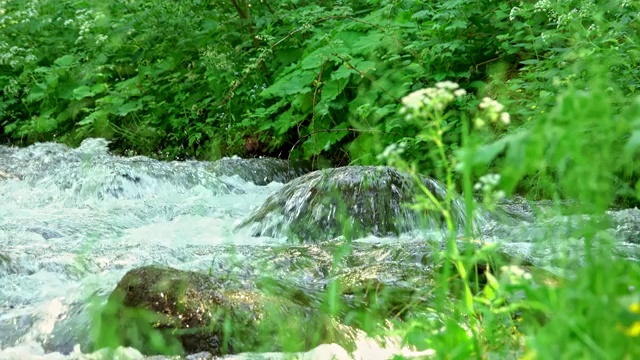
[[515, 273], [460, 93], [505, 118], [513, 13], [101, 39], [491, 105], [435, 98], [416, 99], [447, 85]]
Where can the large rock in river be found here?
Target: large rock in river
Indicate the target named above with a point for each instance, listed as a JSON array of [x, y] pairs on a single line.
[[261, 171], [351, 201], [167, 311]]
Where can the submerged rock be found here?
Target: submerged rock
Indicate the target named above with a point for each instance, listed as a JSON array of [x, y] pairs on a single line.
[[164, 310], [260, 171], [5, 175], [6, 265], [351, 201]]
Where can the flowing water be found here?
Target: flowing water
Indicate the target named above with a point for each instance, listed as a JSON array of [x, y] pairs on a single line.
[[74, 221]]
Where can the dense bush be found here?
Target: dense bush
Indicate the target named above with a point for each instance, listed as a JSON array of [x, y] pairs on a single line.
[[197, 79], [330, 78]]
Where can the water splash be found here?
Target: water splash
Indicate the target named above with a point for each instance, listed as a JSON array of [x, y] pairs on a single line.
[[356, 200], [73, 221]]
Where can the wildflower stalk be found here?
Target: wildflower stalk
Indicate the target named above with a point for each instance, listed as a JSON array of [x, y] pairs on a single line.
[[428, 107]]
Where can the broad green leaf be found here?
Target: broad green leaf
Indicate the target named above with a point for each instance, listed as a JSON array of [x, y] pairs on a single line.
[[343, 72], [45, 124], [364, 65], [333, 88], [323, 140], [361, 44], [633, 144], [298, 82], [82, 92], [285, 122], [99, 88], [37, 93], [91, 118], [64, 61], [316, 59], [129, 107]]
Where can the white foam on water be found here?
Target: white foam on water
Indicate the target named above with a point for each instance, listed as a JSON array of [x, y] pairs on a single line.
[[80, 218]]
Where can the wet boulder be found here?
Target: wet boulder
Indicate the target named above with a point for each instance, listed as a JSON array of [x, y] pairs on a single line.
[[5, 175], [261, 171], [353, 201], [626, 225], [6, 265], [167, 311]]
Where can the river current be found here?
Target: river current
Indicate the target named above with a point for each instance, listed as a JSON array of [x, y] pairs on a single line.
[[74, 221]]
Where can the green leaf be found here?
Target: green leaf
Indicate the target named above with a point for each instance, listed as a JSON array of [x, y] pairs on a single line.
[[45, 124], [284, 122], [316, 59], [333, 88], [91, 118], [82, 92], [343, 72], [324, 140], [129, 107], [37, 93], [633, 143], [65, 61], [366, 44], [10, 128], [298, 82], [364, 65]]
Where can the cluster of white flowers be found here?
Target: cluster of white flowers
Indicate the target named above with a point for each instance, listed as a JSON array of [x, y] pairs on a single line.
[[593, 28], [487, 184], [101, 39], [545, 6], [584, 10], [514, 13], [492, 110], [436, 98], [514, 274], [12, 88], [211, 57], [87, 19], [23, 16], [15, 56], [393, 153]]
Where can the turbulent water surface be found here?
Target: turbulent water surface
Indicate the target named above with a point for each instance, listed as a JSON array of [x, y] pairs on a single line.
[[73, 221]]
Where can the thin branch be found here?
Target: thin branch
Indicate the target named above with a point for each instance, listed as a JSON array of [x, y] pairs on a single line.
[[268, 6], [488, 61], [365, 75]]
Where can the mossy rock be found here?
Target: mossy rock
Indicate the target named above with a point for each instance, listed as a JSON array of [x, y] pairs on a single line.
[[5, 175], [260, 171], [166, 311], [353, 201]]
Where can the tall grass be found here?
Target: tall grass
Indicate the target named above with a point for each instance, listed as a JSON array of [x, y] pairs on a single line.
[[588, 305], [566, 128]]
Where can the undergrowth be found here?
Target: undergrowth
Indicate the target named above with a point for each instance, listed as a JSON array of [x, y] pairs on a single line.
[[550, 108]]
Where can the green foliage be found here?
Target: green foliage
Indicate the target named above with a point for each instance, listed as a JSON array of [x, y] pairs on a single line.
[[201, 79], [305, 79]]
